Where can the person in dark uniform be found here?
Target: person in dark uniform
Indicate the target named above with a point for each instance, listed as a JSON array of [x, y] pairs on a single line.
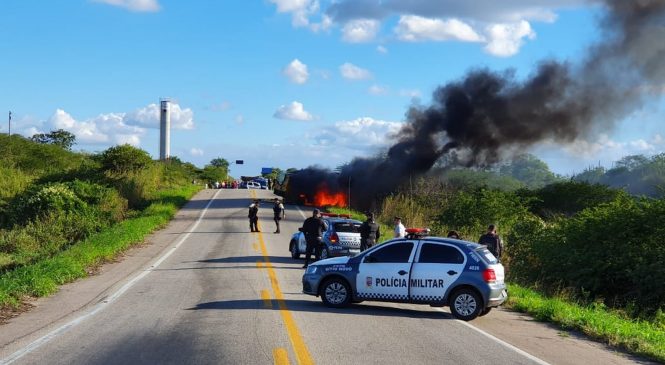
[[254, 216], [369, 232], [279, 212], [493, 242], [313, 228]]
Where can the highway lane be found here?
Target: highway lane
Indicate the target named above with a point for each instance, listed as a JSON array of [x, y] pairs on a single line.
[[226, 295]]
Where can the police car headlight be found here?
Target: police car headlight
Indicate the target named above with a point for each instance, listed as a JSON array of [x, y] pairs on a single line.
[[311, 269]]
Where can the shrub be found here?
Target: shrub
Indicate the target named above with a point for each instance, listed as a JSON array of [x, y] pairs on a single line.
[[611, 253], [470, 212], [107, 201], [137, 187], [40, 200], [125, 158]]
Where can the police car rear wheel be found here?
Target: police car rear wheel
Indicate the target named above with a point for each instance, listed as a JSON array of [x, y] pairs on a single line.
[[465, 304], [294, 250], [336, 293]]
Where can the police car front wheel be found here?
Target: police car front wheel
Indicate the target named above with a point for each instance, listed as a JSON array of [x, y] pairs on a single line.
[[293, 247], [465, 304], [336, 293]]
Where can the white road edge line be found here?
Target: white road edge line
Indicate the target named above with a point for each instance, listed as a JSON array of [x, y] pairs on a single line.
[[501, 342], [103, 304]]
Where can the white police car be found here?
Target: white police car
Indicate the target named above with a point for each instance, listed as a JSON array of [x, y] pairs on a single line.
[[418, 269], [341, 237]]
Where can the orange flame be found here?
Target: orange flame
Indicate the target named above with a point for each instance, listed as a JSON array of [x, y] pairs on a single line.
[[324, 197]]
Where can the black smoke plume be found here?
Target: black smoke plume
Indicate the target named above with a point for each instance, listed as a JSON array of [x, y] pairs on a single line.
[[486, 115]]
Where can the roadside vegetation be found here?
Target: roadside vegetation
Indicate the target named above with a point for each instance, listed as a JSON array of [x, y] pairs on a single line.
[[64, 213], [584, 255]]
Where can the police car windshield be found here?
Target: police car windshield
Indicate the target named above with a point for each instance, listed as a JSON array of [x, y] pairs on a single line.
[[347, 227], [487, 256]]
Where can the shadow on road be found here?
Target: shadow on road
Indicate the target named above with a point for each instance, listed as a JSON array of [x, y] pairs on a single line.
[[228, 267], [252, 259], [310, 306]]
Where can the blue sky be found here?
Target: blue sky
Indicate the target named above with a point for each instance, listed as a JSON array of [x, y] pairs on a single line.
[[284, 83]]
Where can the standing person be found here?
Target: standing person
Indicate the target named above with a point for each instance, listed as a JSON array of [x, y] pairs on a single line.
[[280, 213], [254, 216], [493, 242], [313, 228], [369, 232], [400, 230], [454, 234]]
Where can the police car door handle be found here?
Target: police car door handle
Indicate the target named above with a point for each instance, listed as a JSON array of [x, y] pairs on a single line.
[[452, 272], [402, 272]]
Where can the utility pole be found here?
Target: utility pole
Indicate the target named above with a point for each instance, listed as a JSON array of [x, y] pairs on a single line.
[[10, 123]]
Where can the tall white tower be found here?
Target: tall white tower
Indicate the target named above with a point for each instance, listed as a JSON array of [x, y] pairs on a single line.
[[164, 129]]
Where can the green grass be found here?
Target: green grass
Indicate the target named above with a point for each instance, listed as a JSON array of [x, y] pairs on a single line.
[[636, 336], [44, 277]]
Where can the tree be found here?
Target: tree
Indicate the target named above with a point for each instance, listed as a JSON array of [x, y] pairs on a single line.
[[220, 162], [528, 169], [125, 158], [274, 175], [58, 137]]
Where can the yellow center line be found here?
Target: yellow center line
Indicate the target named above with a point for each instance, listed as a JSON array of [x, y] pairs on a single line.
[[267, 302], [281, 356], [299, 346]]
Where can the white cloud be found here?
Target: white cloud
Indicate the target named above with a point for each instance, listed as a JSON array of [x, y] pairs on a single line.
[[381, 49], [296, 71], [134, 5], [506, 39], [414, 28], [359, 134], [323, 26], [148, 117], [353, 72], [110, 128], [240, 119], [293, 111], [606, 147], [300, 10], [103, 129], [410, 93], [196, 151], [378, 90], [360, 30]]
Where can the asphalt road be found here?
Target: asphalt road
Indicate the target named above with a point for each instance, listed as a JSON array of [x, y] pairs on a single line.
[[207, 291]]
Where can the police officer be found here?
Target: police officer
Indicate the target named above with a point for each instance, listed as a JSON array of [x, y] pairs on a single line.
[[493, 242], [313, 228], [278, 210], [369, 232], [254, 216]]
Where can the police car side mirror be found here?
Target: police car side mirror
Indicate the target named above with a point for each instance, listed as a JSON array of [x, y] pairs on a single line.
[[300, 229]]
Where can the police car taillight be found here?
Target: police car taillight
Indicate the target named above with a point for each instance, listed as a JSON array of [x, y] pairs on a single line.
[[334, 238], [489, 275]]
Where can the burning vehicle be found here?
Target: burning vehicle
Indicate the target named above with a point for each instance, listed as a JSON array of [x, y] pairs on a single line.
[[312, 187]]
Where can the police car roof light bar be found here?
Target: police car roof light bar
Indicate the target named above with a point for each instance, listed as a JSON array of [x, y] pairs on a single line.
[[417, 232]]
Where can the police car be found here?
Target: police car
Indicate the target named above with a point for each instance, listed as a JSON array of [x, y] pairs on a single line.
[[341, 237], [417, 269]]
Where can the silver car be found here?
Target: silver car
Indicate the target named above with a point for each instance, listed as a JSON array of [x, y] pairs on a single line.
[[341, 237]]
